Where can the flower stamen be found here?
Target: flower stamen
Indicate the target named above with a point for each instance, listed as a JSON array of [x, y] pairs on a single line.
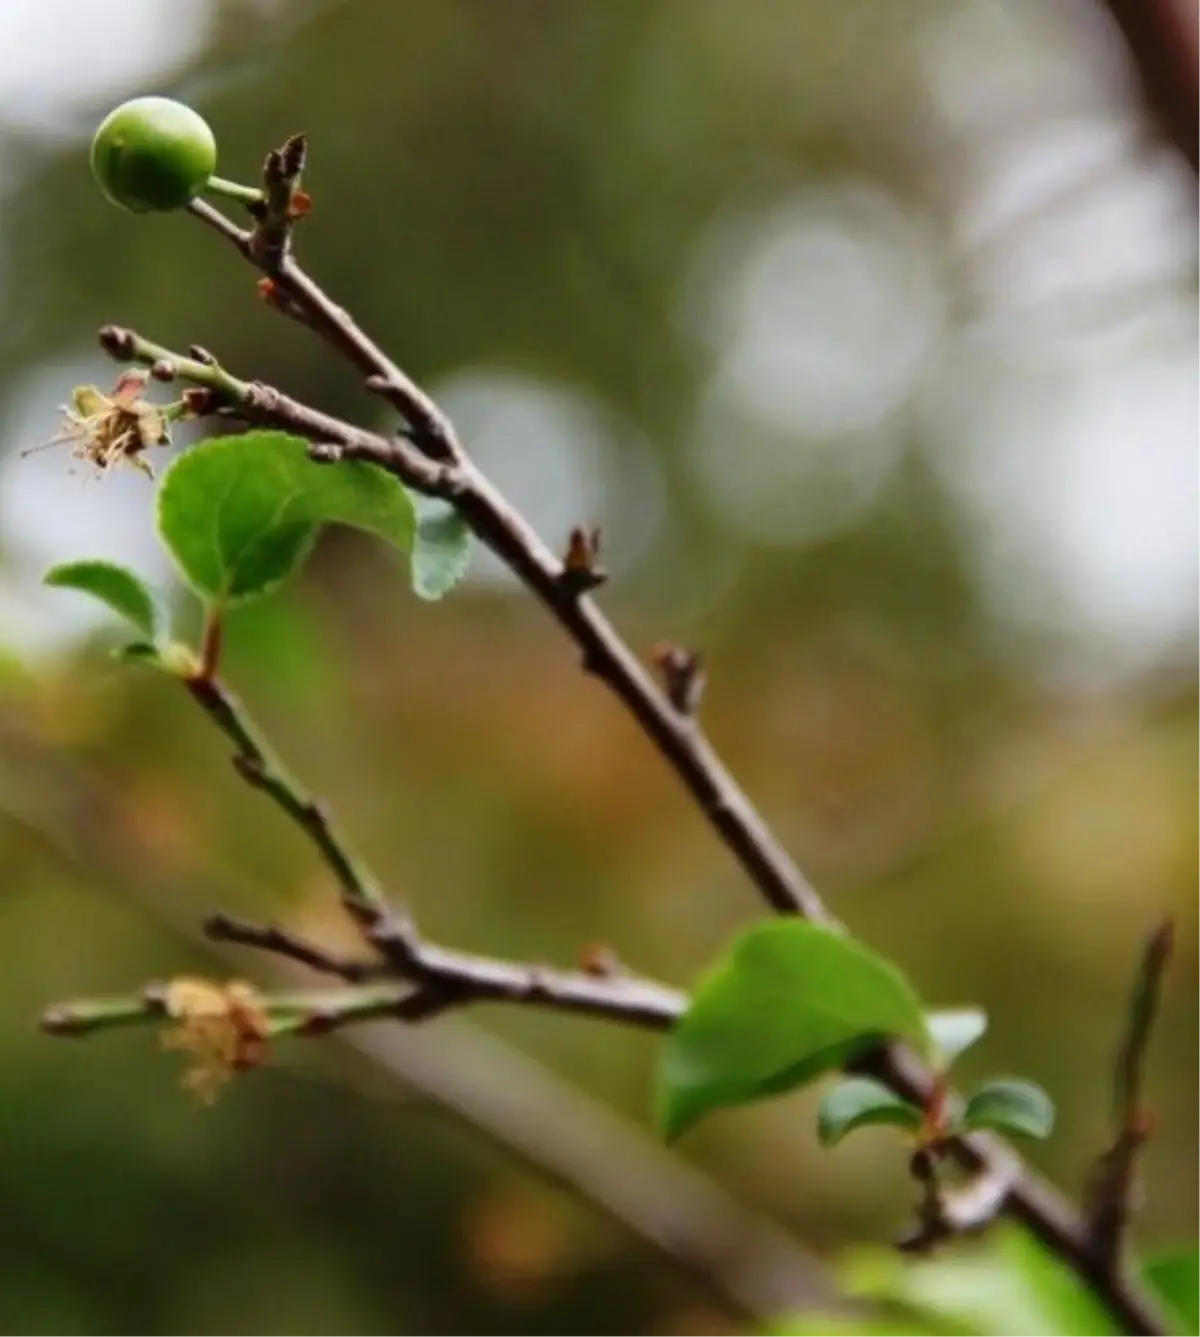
[[225, 1028]]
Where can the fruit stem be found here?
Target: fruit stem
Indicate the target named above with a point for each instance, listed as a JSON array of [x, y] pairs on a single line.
[[234, 190]]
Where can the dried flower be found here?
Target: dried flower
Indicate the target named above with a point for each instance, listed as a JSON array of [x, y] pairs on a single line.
[[225, 1027], [109, 429]]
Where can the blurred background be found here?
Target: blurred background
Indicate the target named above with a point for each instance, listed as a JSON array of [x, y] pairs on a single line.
[[866, 329]]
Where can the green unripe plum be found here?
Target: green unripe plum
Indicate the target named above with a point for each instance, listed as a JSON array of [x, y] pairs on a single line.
[[152, 155]]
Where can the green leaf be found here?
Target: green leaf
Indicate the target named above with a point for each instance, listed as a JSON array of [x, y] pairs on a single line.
[[1175, 1279], [788, 1002], [858, 1102], [241, 513], [113, 585], [1010, 1106], [1007, 1285], [955, 1029], [442, 550]]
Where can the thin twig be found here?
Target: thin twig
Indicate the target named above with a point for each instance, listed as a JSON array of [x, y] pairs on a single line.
[[300, 1015], [280, 942], [1113, 1187], [259, 403], [452, 978], [259, 767], [1143, 1010], [427, 424], [1031, 1200], [449, 977]]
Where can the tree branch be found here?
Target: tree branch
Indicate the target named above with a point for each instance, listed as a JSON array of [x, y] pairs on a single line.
[[280, 942], [450, 978], [676, 734], [750, 1265], [446, 978], [1031, 1200]]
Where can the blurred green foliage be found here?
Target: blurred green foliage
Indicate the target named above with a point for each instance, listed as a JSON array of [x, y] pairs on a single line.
[[525, 187]]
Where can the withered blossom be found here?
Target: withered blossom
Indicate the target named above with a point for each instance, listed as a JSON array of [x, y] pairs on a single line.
[[223, 1026], [112, 429]]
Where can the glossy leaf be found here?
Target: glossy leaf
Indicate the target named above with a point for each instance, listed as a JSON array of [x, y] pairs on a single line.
[[442, 548], [1175, 1279], [1010, 1106], [240, 514], [956, 1029], [113, 585], [859, 1102], [787, 1003]]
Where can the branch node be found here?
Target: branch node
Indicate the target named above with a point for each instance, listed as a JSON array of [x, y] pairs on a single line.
[[154, 995], [318, 1022], [427, 1001], [581, 571], [200, 354], [250, 769], [326, 452], [120, 344], [198, 401], [396, 938], [683, 676], [164, 370], [600, 961], [945, 1212], [538, 982]]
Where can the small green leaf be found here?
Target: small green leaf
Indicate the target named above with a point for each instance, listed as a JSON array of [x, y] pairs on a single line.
[[1175, 1278], [442, 550], [1010, 1106], [241, 513], [788, 1002], [113, 585], [858, 1102], [955, 1029]]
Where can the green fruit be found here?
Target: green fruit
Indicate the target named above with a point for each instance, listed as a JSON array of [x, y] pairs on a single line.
[[152, 155]]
